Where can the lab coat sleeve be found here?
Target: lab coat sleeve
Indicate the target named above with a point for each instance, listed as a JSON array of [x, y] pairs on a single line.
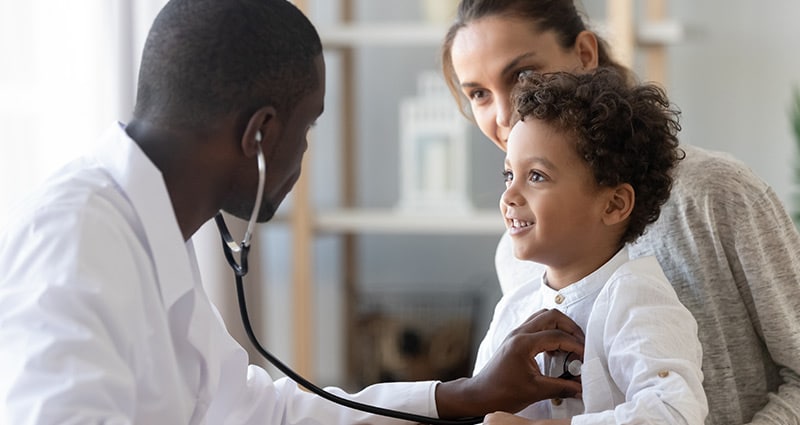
[[300, 406], [264, 401], [653, 357], [62, 357]]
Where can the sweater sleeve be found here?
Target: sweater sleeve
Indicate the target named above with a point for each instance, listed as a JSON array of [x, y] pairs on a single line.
[[732, 254], [767, 248]]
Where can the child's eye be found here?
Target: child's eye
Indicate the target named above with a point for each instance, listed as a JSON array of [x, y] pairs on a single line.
[[536, 177], [508, 176]]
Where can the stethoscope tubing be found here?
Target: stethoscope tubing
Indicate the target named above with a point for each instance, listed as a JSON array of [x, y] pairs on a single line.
[[240, 269]]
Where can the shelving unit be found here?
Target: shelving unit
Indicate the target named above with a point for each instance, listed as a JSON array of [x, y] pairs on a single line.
[[306, 222], [392, 222], [403, 34]]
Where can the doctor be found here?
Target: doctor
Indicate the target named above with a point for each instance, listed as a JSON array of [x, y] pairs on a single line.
[[103, 318]]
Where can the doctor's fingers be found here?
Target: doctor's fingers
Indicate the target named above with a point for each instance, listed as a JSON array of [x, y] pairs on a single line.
[[533, 343], [548, 320]]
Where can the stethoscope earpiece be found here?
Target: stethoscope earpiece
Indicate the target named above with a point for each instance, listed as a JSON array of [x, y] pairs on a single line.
[[229, 245]]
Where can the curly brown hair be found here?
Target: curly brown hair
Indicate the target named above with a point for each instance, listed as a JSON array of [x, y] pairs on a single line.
[[625, 133]]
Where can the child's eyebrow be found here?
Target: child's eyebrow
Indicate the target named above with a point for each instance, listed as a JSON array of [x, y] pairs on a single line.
[[535, 160], [543, 161]]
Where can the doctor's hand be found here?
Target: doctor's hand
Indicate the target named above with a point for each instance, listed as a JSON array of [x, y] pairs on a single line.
[[512, 380]]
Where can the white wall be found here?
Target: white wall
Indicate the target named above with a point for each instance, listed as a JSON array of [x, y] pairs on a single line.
[[733, 81]]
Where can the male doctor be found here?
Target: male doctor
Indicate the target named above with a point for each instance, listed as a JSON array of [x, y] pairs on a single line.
[[103, 318]]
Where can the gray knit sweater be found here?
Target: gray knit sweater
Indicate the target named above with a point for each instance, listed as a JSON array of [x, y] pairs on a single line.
[[733, 255]]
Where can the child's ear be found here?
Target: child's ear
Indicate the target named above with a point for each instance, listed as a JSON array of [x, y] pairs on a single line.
[[619, 205]]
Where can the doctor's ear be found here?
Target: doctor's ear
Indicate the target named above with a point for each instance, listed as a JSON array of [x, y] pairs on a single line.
[[262, 128]]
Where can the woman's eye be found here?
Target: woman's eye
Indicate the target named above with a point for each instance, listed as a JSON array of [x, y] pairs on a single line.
[[477, 95], [523, 74]]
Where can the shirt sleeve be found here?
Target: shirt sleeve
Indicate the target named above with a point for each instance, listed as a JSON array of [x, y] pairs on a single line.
[[651, 354]]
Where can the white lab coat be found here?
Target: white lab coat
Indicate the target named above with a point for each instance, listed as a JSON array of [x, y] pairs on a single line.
[[103, 318], [642, 356]]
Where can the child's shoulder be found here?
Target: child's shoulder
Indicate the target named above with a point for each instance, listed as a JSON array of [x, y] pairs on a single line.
[[638, 275]]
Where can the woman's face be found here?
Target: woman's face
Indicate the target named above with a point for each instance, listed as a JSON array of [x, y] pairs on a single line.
[[490, 53]]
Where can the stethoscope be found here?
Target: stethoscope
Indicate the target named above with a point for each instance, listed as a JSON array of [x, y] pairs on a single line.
[[230, 247]]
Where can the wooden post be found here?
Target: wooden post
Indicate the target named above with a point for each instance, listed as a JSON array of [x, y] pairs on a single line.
[[349, 180], [301, 223], [656, 55], [622, 36]]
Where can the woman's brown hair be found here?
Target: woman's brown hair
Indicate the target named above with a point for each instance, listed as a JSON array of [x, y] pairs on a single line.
[[559, 16]]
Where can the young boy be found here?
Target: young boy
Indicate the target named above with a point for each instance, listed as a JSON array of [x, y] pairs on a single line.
[[587, 169]]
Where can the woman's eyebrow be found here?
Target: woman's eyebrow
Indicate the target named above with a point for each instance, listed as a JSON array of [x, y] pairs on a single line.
[[514, 63], [509, 67]]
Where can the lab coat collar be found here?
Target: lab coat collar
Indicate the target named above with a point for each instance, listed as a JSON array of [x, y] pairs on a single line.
[[143, 184]]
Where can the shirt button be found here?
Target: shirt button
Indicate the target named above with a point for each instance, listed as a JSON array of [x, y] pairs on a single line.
[[663, 373], [556, 401], [559, 299]]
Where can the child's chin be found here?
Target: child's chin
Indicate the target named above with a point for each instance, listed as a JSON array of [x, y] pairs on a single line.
[[525, 255]]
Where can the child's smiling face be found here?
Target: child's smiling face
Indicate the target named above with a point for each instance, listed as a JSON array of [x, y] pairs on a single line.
[[552, 205]]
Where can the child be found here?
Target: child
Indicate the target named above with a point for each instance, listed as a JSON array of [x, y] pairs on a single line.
[[587, 169]]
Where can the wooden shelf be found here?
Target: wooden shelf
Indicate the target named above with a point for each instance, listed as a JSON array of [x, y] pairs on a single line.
[[405, 34], [660, 33], [390, 221], [414, 34]]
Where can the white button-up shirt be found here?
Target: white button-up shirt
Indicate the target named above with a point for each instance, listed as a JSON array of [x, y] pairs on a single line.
[[642, 356], [103, 318]]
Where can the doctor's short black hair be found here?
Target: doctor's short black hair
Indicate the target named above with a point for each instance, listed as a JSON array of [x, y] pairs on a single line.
[[204, 59], [626, 133]]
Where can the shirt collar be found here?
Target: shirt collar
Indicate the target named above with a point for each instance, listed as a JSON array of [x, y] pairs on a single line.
[[589, 285], [143, 184]]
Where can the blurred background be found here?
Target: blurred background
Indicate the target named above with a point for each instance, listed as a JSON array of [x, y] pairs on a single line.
[[351, 287]]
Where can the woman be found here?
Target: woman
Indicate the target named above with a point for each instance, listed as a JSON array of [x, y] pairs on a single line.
[[723, 239]]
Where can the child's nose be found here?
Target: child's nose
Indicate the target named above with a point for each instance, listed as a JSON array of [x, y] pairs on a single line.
[[510, 197]]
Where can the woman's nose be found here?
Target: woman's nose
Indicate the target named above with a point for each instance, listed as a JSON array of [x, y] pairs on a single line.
[[503, 120]]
